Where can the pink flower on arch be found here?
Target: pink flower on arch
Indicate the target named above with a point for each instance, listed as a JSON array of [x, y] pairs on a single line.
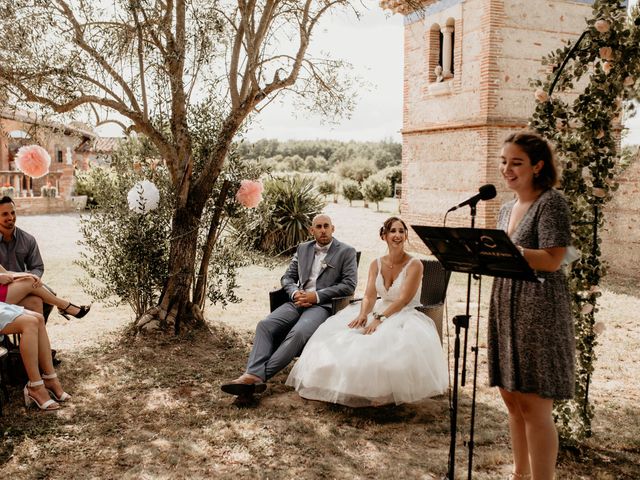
[[606, 53], [33, 160], [541, 95], [250, 193], [602, 26]]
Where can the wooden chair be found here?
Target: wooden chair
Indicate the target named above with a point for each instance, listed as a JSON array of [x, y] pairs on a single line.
[[435, 280], [280, 297]]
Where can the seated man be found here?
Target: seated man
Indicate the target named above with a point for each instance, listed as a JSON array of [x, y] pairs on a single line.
[[19, 252], [320, 270]]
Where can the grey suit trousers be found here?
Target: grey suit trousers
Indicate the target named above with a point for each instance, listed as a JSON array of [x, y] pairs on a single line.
[[281, 336]]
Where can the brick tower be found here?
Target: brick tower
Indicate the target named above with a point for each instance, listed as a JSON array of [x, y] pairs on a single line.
[[466, 86]]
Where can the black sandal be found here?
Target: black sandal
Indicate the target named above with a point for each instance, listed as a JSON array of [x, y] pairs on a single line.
[[82, 311]]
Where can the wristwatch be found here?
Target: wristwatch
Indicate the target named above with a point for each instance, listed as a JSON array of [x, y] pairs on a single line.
[[380, 317]]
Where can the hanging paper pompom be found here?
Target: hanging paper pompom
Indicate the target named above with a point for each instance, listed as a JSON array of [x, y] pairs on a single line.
[[143, 197], [250, 193], [33, 160]]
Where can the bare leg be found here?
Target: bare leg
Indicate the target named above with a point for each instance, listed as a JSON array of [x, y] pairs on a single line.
[[28, 326], [21, 289], [517, 427], [542, 436], [32, 302]]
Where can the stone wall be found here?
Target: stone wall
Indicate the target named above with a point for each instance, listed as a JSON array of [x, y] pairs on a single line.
[[621, 235], [44, 206]]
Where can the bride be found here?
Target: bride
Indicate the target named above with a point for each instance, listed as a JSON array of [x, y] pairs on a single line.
[[383, 351]]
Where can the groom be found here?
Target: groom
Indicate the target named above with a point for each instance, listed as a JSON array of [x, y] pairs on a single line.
[[320, 270]]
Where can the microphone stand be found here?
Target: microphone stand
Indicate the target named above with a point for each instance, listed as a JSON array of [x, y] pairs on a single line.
[[460, 321]]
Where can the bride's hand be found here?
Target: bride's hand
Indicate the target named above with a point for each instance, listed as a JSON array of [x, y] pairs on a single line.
[[360, 321], [372, 327]]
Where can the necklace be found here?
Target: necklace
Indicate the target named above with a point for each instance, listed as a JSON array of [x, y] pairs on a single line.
[[391, 264]]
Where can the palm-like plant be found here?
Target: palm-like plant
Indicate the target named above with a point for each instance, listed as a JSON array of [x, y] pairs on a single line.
[[283, 219]]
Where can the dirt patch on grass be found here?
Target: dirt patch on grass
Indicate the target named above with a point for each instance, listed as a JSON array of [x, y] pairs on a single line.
[[152, 409]]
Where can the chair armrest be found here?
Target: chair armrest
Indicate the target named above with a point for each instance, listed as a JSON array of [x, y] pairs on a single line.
[[277, 298], [434, 312], [338, 303]]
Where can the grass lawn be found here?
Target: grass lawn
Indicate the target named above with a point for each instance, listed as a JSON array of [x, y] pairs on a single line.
[[147, 408]]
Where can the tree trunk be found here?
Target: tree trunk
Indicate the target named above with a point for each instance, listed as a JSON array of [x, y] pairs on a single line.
[[175, 309]]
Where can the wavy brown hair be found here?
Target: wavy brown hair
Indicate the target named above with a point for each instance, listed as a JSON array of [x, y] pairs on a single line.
[[386, 226], [537, 148]]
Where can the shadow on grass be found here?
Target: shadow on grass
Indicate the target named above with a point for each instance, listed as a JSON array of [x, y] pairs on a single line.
[[152, 408]]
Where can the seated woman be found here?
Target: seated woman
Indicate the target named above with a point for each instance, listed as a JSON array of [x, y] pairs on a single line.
[[383, 351], [34, 341], [15, 286]]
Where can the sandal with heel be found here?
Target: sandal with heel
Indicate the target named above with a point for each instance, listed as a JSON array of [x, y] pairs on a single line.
[[62, 398], [47, 405], [82, 311]]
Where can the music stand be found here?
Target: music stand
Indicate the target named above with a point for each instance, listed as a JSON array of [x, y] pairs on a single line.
[[480, 251], [475, 251]]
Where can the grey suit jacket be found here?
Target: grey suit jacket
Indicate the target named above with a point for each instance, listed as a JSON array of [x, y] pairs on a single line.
[[337, 279]]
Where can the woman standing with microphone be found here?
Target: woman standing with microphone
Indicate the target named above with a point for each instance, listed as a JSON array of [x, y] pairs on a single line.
[[531, 335]]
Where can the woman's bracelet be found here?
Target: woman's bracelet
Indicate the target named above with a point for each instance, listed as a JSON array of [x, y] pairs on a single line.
[[380, 317], [520, 249]]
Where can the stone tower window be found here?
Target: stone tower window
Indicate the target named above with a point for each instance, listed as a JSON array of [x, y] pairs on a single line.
[[441, 44]]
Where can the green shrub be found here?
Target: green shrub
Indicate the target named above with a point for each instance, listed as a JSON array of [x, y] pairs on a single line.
[[283, 218], [85, 185], [327, 186], [375, 189], [351, 191], [393, 176], [358, 170], [126, 254]]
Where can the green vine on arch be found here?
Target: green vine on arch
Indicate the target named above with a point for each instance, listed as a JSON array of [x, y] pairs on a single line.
[[604, 64]]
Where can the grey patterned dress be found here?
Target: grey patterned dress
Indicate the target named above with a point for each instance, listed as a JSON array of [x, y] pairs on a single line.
[[531, 336]]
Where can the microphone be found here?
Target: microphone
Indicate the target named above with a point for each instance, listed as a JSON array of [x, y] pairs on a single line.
[[485, 192]]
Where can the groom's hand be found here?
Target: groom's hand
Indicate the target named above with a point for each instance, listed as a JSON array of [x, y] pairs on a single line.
[[304, 299]]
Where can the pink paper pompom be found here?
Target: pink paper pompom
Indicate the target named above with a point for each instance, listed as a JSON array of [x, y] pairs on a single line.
[[33, 160], [250, 193]]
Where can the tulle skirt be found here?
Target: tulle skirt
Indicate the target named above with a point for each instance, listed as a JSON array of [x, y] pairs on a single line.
[[401, 362]]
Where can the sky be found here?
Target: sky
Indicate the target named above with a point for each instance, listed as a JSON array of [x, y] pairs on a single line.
[[373, 45]]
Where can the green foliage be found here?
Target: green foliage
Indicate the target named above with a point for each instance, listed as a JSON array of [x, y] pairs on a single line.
[[583, 130], [126, 254], [321, 155], [393, 175], [283, 218], [85, 185], [359, 169], [327, 185], [376, 189], [351, 191]]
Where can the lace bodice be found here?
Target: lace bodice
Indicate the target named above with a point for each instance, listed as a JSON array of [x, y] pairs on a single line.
[[394, 290]]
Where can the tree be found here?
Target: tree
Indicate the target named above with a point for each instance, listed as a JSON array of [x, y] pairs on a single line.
[[351, 191], [147, 62], [359, 169], [375, 189]]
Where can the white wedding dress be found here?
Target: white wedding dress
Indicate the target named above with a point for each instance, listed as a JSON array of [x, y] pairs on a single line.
[[401, 362]]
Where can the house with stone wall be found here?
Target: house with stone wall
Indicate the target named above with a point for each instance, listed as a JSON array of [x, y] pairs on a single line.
[[67, 146], [467, 66]]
